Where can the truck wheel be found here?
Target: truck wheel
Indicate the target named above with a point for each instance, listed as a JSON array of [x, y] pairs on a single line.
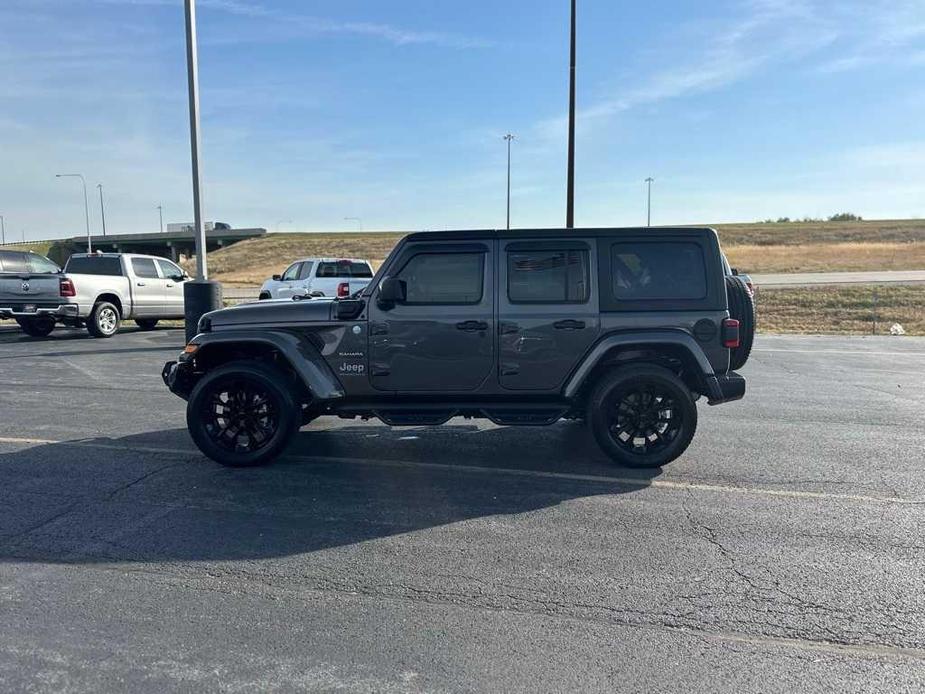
[[146, 323], [742, 308], [104, 320], [264, 296], [642, 416], [37, 327], [243, 413]]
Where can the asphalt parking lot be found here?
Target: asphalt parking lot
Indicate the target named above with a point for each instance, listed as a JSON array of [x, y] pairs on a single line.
[[783, 552]]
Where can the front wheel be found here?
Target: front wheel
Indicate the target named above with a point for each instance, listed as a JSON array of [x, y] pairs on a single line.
[[37, 327], [104, 320], [242, 414], [642, 416]]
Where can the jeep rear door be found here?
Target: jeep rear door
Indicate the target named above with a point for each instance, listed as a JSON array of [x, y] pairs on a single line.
[[442, 337], [548, 310]]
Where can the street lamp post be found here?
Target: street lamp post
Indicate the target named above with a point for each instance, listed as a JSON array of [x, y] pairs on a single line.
[[160, 217], [199, 296], [102, 208], [2, 231], [649, 182], [510, 139], [86, 206], [570, 193], [358, 220]]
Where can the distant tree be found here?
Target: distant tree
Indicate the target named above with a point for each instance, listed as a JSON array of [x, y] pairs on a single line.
[[810, 220], [845, 217], [783, 220]]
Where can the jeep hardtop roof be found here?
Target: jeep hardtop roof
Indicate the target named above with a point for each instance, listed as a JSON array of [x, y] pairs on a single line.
[[481, 234]]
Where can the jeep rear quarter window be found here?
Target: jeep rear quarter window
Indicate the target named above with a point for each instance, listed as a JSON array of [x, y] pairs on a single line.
[[647, 271], [90, 265], [443, 278]]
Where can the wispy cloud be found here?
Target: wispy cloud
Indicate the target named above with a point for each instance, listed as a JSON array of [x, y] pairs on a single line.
[[310, 25]]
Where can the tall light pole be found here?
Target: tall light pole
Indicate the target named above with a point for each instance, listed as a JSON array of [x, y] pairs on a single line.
[[358, 220], [200, 296], [102, 208], [160, 216], [510, 139], [570, 192], [2, 231], [86, 206], [649, 181]]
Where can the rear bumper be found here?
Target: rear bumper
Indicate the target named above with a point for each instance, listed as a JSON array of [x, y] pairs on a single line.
[[725, 388], [60, 311]]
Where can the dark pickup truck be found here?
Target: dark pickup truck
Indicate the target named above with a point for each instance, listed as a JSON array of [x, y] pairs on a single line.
[[625, 328]]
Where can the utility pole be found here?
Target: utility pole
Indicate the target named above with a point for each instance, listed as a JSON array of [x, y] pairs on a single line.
[[86, 206], [199, 296], [160, 217], [510, 139], [570, 193], [2, 231], [102, 208], [649, 181]]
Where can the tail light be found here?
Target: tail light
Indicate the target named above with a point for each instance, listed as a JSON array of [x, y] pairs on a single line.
[[343, 290], [66, 287], [730, 333]]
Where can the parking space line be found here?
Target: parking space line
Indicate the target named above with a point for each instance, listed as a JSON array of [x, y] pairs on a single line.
[[859, 352], [673, 485]]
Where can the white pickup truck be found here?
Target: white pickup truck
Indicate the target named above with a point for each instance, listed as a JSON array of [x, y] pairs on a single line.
[[319, 277], [97, 290]]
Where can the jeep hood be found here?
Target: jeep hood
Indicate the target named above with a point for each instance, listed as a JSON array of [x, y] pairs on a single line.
[[285, 311]]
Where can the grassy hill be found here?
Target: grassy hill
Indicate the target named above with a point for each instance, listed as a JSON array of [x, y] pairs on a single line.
[[757, 248]]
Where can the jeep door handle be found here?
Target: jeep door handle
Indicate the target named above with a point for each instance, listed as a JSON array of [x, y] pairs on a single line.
[[569, 325], [472, 326]]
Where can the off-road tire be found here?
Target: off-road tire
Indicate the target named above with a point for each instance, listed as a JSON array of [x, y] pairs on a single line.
[[146, 323], [37, 327], [742, 308], [606, 413], [104, 320], [225, 409]]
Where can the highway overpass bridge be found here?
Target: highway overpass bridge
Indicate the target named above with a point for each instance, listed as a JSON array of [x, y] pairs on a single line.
[[168, 244]]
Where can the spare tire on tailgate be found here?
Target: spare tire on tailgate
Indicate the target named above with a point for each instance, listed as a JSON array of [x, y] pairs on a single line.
[[742, 308]]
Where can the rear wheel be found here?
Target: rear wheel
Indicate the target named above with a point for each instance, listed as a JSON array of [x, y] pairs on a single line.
[[146, 323], [243, 414], [642, 416], [742, 308], [37, 327], [104, 320]]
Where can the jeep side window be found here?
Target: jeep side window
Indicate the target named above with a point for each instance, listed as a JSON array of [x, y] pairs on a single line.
[[548, 277], [444, 278], [292, 272], [645, 271]]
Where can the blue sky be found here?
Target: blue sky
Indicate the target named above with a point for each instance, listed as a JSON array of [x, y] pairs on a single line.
[[394, 112]]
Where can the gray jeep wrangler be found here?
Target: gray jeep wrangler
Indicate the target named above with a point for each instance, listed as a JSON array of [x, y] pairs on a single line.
[[624, 328]]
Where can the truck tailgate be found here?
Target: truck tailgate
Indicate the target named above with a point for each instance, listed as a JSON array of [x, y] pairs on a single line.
[[29, 288]]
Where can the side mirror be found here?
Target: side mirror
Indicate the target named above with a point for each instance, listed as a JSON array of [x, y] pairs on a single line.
[[392, 291], [277, 278], [735, 271], [180, 278]]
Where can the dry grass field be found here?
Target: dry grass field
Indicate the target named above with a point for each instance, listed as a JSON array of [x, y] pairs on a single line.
[[755, 248], [859, 310]]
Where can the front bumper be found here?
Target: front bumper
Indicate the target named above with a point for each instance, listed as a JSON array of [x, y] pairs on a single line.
[[18, 310], [725, 388], [178, 378]]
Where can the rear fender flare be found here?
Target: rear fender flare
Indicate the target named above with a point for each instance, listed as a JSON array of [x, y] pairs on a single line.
[[301, 355], [648, 338]]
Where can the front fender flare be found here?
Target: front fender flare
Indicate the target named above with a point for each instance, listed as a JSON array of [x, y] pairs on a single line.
[[674, 338], [304, 358]]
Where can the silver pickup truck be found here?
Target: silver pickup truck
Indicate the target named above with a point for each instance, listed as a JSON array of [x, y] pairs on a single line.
[[97, 290]]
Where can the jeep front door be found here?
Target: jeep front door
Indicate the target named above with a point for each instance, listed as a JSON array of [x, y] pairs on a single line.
[[548, 311], [441, 336]]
